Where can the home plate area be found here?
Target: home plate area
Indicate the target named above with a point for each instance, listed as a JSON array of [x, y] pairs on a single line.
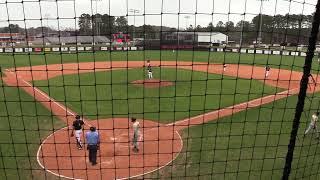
[[159, 145]]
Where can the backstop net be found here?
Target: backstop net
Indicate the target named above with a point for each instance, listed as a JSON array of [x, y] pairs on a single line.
[[161, 89]]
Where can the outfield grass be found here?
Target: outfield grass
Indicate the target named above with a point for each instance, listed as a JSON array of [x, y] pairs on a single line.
[[276, 61], [110, 94], [248, 145]]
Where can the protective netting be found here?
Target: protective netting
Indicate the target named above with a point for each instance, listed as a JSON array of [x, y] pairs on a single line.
[[192, 89]]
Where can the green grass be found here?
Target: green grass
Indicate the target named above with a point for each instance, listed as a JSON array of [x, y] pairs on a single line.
[[248, 145], [23, 123], [109, 94], [276, 61], [252, 143]]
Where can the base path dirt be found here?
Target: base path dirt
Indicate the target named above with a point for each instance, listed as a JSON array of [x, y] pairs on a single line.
[[160, 143], [152, 83]]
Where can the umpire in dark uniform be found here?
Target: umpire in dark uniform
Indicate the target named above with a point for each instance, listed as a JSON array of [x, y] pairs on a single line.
[[93, 141]]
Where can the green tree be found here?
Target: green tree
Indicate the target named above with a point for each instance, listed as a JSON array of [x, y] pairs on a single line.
[[210, 27], [13, 28], [121, 24], [229, 26], [149, 32], [107, 26], [85, 24], [220, 26]]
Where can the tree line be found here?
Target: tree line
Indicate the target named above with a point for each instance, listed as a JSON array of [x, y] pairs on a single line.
[[291, 28]]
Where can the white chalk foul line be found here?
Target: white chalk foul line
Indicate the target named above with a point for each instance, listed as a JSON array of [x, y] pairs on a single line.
[[285, 93], [50, 99], [105, 162], [157, 168], [42, 166]]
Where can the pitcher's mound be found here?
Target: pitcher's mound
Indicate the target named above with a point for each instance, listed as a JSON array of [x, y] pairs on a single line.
[[152, 83]]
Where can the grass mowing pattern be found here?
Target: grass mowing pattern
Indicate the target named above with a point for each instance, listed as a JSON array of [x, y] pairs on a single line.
[[108, 94], [248, 145], [260, 145]]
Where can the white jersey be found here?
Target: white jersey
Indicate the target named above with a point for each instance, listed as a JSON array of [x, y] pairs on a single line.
[[136, 127], [314, 119]]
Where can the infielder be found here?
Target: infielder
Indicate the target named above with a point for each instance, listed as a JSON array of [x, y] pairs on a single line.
[[267, 71], [313, 124], [313, 80], [136, 132], [77, 128], [224, 67], [149, 69]]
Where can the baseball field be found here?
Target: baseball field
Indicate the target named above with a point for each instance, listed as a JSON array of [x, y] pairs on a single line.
[[205, 123]]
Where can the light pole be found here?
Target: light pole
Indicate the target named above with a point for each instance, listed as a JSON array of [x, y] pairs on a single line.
[[260, 25], [134, 11], [47, 16], [241, 36], [187, 21], [97, 20]]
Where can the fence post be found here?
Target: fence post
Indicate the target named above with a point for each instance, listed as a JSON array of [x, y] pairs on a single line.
[[302, 92]]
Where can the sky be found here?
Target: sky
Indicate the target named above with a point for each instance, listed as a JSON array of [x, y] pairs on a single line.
[[62, 14]]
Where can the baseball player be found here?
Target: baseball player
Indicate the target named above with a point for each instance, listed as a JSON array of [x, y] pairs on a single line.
[[313, 124], [313, 80], [267, 71], [149, 69], [224, 67], [77, 128], [136, 128]]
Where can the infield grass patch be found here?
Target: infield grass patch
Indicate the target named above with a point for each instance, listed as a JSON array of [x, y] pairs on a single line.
[[111, 94]]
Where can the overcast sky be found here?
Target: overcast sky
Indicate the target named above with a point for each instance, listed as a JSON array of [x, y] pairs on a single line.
[[200, 12]]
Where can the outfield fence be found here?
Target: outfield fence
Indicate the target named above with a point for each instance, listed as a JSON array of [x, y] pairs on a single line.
[[92, 48]]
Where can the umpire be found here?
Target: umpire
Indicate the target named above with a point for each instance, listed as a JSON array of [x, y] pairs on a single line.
[[93, 141]]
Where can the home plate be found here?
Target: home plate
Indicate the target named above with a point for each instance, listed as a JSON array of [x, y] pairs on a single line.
[[113, 138]]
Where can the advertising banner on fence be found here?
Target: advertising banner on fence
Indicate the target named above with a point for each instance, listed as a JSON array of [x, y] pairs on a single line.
[[258, 51], [8, 50], [72, 48], [104, 48], [285, 53], [27, 49], [64, 49], [250, 51], [47, 49], [1, 50], [80, 48], [267, 52], [37, 49], [88, 48], [133, 48], [303, 54], [18, 50], [276, 52], [243, 50], [55, 49]]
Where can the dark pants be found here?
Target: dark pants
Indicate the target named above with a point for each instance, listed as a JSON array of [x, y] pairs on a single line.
[[93, 153]]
